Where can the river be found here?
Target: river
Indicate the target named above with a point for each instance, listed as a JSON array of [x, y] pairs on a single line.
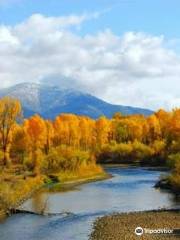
[[130, 189]]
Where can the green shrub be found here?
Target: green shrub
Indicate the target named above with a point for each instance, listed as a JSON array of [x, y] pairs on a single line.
[[173, 160]]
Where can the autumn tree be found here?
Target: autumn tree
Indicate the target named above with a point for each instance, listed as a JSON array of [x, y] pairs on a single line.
[[154, 128], [19, 144], [35, 129], [174, 126], [121, 130], [49, 135], [102, 131], [61, 128], [10, 113], [165, 121], [87, 133]]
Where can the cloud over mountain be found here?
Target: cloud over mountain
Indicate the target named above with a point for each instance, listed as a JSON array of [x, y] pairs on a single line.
[[133, 69]]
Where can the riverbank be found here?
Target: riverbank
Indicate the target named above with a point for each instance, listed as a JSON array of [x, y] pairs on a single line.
[[122, 226], [70, 184], [166, 184], [15, 188], [73, 181]]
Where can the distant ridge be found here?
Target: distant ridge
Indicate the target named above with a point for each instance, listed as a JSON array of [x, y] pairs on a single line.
[[50, 101]]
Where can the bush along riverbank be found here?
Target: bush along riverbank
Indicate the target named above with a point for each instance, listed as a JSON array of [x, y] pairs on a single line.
[[171, 182], [122, 226], [14, 190], [62, 181]]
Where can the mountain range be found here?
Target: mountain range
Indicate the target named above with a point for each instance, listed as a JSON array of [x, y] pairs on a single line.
[[49, 101]]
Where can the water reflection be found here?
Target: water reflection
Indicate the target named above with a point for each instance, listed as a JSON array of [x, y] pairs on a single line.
[[39, 203]]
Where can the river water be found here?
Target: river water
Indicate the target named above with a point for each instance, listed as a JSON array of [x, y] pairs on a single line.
[[130, 189]]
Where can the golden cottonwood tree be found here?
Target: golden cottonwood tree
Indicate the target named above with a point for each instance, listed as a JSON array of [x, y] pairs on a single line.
[[154, 128], [102, 131], [49, 135], [35, 129], [10, 112]]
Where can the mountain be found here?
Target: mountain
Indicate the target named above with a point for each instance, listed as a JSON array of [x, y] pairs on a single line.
[[50, 101]]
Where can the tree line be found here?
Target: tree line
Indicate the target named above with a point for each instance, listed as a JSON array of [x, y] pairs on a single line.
[[70, 141]]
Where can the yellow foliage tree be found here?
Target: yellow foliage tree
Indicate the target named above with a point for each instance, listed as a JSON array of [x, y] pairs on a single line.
[[36, 133], [10, 113]]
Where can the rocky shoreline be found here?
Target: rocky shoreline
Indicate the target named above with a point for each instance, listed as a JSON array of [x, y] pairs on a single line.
[[121, 226]]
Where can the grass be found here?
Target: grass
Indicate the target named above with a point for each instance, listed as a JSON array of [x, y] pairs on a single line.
[[69, 179], [83, 172]]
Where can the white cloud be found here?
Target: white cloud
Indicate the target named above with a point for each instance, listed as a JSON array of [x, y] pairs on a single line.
[[6, 36], [38, 24], [133, 69]]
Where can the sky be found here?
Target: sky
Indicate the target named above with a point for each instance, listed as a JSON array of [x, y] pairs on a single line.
[[123, 51]]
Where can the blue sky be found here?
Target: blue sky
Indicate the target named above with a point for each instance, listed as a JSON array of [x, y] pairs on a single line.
[[123, 51], [155, 16]]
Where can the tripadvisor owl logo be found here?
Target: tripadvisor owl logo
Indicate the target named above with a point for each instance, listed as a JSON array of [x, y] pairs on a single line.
[[139, 231]]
